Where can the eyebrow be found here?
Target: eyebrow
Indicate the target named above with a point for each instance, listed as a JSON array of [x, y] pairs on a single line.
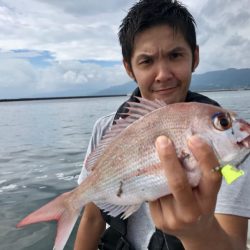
[[149, 54], [178, 49]]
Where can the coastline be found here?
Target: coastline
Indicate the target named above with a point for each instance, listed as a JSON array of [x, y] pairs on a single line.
[[97, 96], [55, 98]]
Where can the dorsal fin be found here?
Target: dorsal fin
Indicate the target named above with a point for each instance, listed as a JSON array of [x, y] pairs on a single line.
[[136, 110]]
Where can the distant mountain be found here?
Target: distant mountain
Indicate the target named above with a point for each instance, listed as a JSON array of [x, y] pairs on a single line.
[[229, 79], [123, 89]]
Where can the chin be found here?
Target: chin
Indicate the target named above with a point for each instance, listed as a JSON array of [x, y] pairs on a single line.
[[174, 99], [170, 100]]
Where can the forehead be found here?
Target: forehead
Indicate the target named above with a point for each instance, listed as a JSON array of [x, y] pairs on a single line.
[[159, 36]]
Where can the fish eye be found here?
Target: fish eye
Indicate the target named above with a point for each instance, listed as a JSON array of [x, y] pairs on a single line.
[[222, 121]]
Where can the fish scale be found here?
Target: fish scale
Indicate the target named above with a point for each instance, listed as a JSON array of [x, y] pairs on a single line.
[[125, 171]]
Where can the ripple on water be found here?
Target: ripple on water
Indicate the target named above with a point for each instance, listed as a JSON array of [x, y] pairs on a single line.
[[5, 160], [61, 176], [8, 187], [42, 177], [47, 159]]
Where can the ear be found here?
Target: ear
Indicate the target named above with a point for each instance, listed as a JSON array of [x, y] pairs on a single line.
[[196, 58], [128, 69]]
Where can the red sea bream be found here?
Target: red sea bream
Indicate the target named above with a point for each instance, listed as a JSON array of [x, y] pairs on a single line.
[[125, 170]]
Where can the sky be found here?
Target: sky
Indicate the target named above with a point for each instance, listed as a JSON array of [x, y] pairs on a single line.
[[52, 46]]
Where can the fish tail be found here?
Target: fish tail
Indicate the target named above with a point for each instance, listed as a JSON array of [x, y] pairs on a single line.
[[60, 210]]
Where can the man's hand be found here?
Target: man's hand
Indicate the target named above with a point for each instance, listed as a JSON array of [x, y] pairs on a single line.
[[189, 212]]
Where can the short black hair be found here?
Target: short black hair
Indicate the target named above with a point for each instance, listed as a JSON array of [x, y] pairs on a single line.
[[148, 13]]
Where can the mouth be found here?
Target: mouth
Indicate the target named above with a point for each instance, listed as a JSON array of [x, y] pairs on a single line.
[[245, 142], [242, 132], [164, 90]]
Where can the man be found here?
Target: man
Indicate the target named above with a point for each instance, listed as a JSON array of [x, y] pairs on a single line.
[[160, 53]]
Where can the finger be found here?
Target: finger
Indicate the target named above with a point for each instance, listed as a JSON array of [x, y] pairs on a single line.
[[211, 180], [163, 213], [176, 177], [156, 212]]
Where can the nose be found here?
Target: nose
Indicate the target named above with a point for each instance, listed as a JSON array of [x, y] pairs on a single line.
[[163, 72]]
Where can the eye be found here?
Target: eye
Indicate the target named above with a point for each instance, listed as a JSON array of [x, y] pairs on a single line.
[[222, 121], [175, 55], [145, 61]]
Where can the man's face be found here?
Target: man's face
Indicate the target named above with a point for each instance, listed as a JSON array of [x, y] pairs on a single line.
[[161, 64]]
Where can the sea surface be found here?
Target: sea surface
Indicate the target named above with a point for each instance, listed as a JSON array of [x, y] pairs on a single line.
[[42, 145]]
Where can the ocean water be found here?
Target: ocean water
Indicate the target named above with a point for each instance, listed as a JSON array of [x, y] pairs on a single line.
[[41, 151]]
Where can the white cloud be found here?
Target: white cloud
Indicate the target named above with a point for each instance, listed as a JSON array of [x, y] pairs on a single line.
[[44, 25], [58, 76], [93, 7], [223, 34], [21, 71], [68, 73], [73, 31]]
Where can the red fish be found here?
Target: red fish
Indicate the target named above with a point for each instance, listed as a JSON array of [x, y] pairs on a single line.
[[125, 169]]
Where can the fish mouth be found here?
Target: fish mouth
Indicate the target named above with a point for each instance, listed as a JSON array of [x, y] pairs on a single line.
[[245, 142], [242, 132]]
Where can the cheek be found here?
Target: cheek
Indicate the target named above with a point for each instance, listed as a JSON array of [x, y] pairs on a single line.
[[144, 79], [184, 75]]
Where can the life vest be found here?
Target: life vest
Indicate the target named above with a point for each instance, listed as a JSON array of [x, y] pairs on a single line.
[[114, 238]]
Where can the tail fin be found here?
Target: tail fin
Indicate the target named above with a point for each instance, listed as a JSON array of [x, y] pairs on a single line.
[[58, 209]]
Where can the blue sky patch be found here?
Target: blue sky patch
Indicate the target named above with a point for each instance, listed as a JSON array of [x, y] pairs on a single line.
[[36, 58]]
